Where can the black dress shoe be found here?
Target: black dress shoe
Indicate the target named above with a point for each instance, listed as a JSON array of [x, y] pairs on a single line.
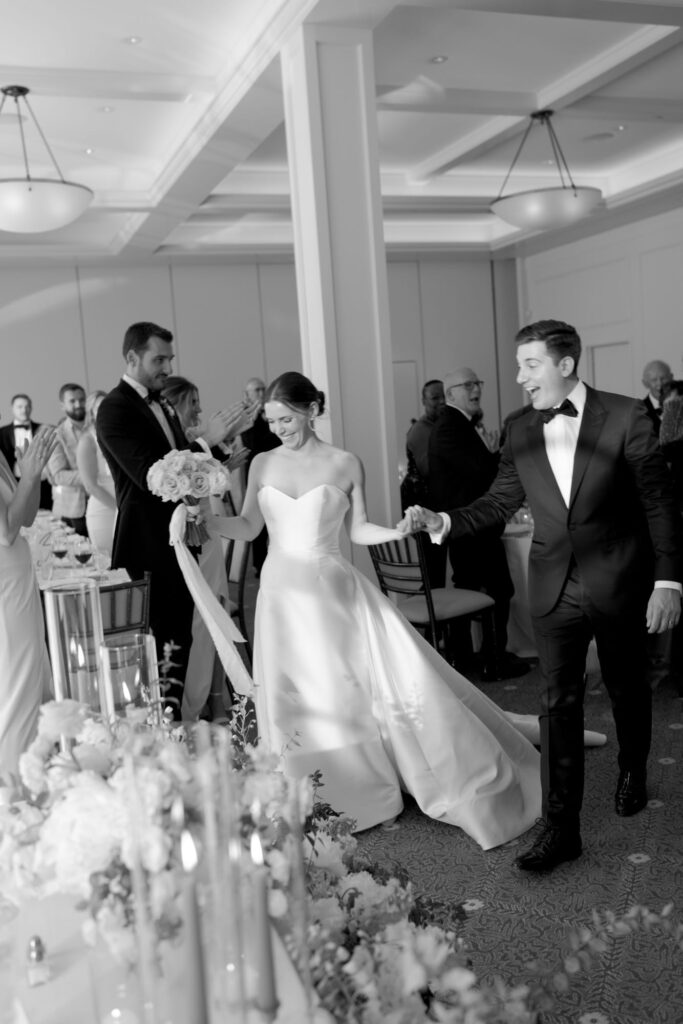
[[631, 794], [553, 846]]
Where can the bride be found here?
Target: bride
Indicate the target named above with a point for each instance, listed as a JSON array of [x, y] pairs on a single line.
[[343, 683]]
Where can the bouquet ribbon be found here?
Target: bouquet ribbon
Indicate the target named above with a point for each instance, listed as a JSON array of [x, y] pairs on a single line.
[[222, 629]]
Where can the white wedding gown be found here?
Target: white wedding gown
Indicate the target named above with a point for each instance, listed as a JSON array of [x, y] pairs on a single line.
[[345, 685], [25, 677]]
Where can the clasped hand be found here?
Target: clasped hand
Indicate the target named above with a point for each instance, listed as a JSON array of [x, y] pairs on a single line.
[[416, 518]]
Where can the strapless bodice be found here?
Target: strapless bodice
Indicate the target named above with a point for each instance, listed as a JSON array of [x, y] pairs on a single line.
[[308, 524]]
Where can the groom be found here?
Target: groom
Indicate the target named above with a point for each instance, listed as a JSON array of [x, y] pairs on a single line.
[[606, 561], [135, 428]]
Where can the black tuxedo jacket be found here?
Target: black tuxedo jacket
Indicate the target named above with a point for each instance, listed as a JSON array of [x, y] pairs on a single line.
[[461, 467], [132, 440], [8, 447], [655, 415], [7, 443], [622, 526]]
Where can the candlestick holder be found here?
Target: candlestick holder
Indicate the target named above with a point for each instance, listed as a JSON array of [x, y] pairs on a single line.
[[73, 617]]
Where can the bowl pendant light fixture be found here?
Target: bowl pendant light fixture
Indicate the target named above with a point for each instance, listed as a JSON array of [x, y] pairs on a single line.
[[543, 208], [29, 205]]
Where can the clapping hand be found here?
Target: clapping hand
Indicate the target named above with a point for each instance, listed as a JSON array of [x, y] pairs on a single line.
[[227, 424], [33, 455], [491, 438]]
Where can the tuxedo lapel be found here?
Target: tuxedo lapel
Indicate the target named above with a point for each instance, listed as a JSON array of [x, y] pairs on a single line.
[[591, 427], [142, 406], [174, 423]]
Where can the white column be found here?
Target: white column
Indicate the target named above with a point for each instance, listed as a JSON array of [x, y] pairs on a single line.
[[329, 91]]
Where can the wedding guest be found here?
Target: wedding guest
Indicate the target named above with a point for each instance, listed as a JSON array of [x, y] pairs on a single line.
[[417, 439], [657, 378], [183, 395], [100, 513], [135, 429], [68, 493], [606, 561], [257, 438], [462, 465], [25, 678], [12, 436]]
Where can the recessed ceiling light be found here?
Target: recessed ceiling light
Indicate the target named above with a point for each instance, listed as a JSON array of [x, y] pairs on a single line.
[[89, 151], [106, 110], [438, 60], [621, 127], [133, 40]]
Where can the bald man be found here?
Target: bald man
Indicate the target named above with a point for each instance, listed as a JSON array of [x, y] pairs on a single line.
[[657, 378], [461, 468]]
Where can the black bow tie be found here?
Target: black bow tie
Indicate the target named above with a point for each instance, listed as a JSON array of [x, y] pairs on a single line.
[[566, 409], [153, 396]]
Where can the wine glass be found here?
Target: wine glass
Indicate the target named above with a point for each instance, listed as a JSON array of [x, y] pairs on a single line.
[[60, 547], [82, 550]]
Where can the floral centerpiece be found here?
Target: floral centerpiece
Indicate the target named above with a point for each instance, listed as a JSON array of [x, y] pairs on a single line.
[[188, 477], [367, 947], [73, 830]]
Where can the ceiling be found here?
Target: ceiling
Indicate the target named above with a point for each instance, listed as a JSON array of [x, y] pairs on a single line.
[[172, 113]]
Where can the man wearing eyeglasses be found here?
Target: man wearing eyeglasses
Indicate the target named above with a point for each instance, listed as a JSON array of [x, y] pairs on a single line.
[[463, 462]]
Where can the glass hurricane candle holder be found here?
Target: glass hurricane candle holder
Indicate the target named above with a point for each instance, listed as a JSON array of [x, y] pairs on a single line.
[[73, 618]]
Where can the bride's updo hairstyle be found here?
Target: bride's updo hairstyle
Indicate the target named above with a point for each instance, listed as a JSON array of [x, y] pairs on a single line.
[[296, 391]]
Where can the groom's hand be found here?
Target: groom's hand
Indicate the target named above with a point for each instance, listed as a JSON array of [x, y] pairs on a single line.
[[663, 610], [423, 519]]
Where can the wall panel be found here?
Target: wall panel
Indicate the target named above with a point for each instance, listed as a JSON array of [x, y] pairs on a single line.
[[458, 324], [111, 300], [281, 349], [41, 342], [624, 287], [219, 329]]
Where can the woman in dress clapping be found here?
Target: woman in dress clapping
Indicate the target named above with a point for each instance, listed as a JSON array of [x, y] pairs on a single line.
[[25, 678], [100, 515], [183, 395]]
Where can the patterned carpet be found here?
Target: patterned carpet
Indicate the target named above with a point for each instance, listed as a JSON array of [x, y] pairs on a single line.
[[513, 918]]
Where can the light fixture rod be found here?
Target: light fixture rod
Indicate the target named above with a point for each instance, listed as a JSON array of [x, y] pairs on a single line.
[[560, 158], [543, 117], [516, 156], [18, 92]]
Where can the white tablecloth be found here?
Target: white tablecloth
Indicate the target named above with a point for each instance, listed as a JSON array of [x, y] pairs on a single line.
[[67, 998]]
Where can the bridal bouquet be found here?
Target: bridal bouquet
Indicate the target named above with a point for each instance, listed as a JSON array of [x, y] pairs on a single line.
[[188, 477]]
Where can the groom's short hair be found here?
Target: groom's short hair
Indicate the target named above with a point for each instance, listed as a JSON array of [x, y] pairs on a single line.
[[560, 339], [137, 336]]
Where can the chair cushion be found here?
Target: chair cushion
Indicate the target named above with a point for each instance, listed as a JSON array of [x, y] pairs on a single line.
[[448, 604]]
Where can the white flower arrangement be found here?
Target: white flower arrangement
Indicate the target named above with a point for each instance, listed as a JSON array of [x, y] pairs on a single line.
[[374, 951]]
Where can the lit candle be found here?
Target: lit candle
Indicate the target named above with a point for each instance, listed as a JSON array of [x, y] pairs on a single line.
[[194, 952], [265, 995]]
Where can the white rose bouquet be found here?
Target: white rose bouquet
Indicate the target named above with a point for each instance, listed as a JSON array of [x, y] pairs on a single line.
[[188, 477]]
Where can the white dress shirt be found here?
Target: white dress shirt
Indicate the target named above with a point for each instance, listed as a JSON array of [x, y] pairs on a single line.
[[155, 407]]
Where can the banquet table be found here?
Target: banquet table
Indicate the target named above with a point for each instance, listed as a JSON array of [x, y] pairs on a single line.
[[69, 995]]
